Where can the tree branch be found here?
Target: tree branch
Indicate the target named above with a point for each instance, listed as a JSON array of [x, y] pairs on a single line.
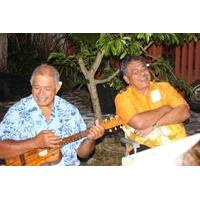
[[150, 43], [96, 63], [83, 68], [107, 79]]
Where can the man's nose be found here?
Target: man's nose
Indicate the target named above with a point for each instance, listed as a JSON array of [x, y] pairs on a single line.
[[143, 71], [41, 91]]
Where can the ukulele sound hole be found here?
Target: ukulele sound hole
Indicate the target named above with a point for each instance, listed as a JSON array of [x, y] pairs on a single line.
[[42, 152]]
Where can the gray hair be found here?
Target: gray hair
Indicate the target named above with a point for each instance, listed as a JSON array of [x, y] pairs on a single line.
[[127, 60], [45, 69]]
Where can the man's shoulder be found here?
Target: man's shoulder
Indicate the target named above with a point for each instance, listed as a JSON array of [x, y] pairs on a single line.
[[63, 103], [160, 85], [22, 106], [24, 102], [123, 92], [65, 108]]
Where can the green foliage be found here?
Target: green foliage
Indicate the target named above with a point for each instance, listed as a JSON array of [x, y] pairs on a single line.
[[122, 44], [24, 55], [187, 37], [144, 37], [113, 44], [115, 82], [162, 70], [88, 54], [68, 68], [166, 38], [182, 86], [135, 48], [135, 44]]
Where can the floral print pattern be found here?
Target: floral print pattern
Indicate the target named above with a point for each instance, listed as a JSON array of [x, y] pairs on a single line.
[[25, 120]]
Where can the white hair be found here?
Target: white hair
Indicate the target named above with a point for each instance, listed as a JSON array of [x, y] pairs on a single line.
[[46, 69]]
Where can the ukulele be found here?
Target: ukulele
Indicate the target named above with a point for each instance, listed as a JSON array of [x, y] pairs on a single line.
[[52, 156]]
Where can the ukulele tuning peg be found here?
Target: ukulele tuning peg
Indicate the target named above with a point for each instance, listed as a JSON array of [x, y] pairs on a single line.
[[110, 130], [115, 128]]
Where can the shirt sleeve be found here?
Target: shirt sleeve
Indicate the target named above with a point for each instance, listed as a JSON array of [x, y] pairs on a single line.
[[125, 108], [9, 125], [173, 98]]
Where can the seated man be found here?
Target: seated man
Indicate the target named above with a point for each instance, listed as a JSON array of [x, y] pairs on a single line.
[[42, 119], [152, 112]]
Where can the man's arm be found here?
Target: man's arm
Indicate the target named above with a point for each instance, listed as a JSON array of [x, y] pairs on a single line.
[[88, 145], [161, 116], [86, 148], [148, 118], [10, 148], [177, 115]]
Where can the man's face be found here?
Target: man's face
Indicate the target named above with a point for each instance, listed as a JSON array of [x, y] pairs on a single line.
[[44, 90], [137, 75]]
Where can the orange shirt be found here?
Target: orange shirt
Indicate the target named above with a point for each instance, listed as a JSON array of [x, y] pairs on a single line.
[[130, 102]]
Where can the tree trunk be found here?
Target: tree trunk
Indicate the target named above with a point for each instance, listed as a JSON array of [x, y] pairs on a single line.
[[3, 52], [89, 75], [94, 98]]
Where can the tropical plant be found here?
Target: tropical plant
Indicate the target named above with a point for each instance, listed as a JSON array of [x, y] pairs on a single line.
[[94, 50]]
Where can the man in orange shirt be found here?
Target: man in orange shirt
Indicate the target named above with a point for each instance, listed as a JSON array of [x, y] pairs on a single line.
[[152, 112]]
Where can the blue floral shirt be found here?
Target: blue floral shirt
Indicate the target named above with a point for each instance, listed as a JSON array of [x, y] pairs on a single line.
[[25, 120]]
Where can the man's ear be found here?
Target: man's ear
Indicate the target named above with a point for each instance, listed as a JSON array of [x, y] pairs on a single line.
[[58, 86], [126, 79]]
